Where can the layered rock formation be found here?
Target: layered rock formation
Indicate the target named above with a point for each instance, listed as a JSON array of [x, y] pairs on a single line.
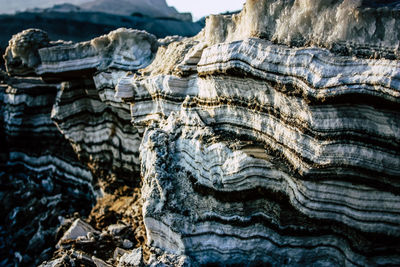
[[269, 138], [42, 181], [74, 23]]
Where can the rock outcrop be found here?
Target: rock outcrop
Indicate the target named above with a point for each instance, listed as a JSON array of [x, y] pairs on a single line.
[[42, 180], [268, 138], [71, 23]]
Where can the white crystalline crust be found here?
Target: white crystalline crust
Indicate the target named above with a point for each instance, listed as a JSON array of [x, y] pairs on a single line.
[[124, 49], [21, 55], [31, 52], [347, 26]]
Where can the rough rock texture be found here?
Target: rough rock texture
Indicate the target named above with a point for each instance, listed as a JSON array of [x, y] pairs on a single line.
[[41, 179], [83, 25], [124, 49], [31, 138], [22, 53], [361, 27], [255, 145]]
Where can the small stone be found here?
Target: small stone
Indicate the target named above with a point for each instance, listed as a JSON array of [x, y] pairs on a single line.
[[90, 236], [118, 252], [127, 244], [18, 256], [78, 228], [115, 229], [56, 262], [134, 258], [99, 262]]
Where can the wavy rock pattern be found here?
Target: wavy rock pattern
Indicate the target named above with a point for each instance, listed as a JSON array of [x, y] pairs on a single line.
[[326, 144], [42, 181], [100, 134], [30, 133], [254, 145], [230, 201], [124, 49], [257, 134], [334, 131]]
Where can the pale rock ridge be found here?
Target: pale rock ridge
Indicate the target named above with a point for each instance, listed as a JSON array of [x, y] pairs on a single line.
[[31, 52], [124, 49], [345, 26], [310, 137], [22, 55], [317, 73]]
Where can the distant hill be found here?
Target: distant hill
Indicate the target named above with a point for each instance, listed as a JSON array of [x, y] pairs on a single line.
[[152, 8], [11, 6], [395, 4]]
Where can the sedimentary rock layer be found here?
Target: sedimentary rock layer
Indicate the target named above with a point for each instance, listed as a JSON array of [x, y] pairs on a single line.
[[260, 144], [220, 199], [30, 134], [275, 137], [41, 179], [321, 121], [101, 134], [31, 52], [121, 49], [257, 134], [97, 126]]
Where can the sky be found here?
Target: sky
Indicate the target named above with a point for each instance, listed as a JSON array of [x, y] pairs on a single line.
[[201, 8], [198, 8]]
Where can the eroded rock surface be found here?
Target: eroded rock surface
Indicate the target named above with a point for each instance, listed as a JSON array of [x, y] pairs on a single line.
[[42, 180], [251, 144]]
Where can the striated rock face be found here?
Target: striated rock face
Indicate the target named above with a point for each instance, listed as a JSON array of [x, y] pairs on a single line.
[[41, 179], [30, 133], [121, 49], [269, 138]]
